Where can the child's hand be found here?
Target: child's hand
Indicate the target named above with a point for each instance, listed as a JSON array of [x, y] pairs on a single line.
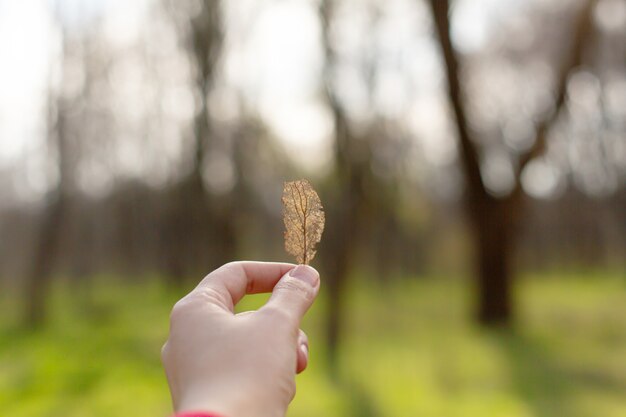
[[240, 365]]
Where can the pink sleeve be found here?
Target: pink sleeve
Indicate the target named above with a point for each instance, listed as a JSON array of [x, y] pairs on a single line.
[[197, 414]]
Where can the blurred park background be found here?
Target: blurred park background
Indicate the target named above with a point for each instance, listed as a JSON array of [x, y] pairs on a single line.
[[471, 157]]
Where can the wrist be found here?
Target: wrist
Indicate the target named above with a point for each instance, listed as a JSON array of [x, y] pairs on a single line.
[[197, 414], [203, 407], [226, 405]]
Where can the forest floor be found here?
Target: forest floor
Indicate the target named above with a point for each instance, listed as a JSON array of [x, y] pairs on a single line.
[[410, 350]]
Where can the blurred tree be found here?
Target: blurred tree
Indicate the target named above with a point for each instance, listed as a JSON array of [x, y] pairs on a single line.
[[353, 186], [342, 228], [198, 228], [493, 219], [48, 239], [364, 197]]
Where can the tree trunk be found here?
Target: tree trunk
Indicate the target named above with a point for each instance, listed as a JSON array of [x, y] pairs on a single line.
[[341, 254], [201, 228], [336, 285], [39, 275], [492, 233], [39, 278], [493, 219]]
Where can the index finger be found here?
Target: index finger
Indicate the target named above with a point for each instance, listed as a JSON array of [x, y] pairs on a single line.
[[235, 279]]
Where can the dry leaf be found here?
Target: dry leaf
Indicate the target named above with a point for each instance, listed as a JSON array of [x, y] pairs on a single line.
[[303, 215]]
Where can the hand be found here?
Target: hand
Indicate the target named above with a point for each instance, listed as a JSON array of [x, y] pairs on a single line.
[[240, 365]]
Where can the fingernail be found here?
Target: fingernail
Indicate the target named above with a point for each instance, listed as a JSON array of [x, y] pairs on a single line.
[[305, 273], [305, 349]]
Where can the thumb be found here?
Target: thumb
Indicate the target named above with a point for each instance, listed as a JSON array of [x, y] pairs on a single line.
[[294, 294]]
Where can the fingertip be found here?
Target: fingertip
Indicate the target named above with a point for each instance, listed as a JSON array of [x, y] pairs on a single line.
[[307, 274], [294, 294]]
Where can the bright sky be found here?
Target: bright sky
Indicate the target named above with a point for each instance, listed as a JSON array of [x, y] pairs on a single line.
[[278, 63], [273, 56], [24, 52]]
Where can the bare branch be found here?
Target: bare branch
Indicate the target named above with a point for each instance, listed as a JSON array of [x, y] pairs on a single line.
[[571, 62], [469, 152]]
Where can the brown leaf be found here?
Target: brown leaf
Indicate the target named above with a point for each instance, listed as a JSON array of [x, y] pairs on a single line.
[[303, 215]]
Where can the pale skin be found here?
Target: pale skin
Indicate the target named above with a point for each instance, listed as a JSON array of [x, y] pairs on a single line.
[[240, 365]]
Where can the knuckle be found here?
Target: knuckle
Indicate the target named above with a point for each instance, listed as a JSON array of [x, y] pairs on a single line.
[[289, 390], [180, 309], [209, 295], [283, 323], [233, 265], [195, 300], [297, 287], [278, 315], [303, 336]]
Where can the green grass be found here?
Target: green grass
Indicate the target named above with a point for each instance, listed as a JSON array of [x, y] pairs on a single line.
[[410, 349]]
